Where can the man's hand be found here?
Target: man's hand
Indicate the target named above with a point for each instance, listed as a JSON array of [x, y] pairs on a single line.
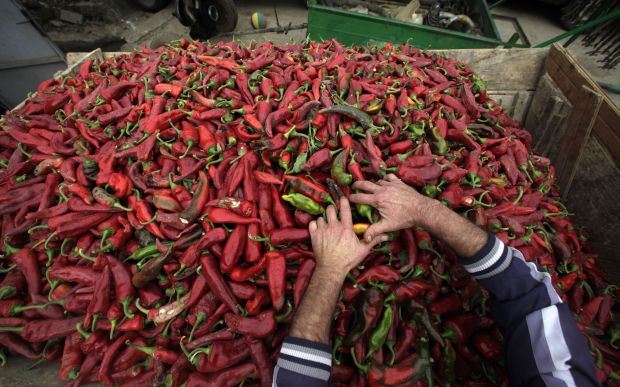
[[399, 205], [336, 247]]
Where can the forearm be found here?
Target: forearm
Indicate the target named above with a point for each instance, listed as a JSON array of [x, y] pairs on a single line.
[[464, 237], [313, 318], [305, 357]]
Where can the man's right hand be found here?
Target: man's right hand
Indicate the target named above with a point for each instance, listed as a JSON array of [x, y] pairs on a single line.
[[399, 205]]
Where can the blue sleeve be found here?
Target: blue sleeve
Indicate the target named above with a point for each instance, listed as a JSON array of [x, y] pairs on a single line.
[[543, 346], [303, 363]]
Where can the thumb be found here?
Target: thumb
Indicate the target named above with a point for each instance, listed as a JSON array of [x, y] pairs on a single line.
[[378, 239], [376, 229]]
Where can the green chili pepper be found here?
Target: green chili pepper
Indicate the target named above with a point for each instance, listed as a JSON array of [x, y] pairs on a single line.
[[430, 190], [425, 353], [449, 357], [438, 142], [144, 252], [339, 170], [304, 203], [378, 337], [365, 211]]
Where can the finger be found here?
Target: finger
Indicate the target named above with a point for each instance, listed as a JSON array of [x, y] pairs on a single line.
[[363, 199], [391, 177], [320, 222], [378, 239], [367, 186], [376, 229], [331, 214], [312, 227], [383, 183], [345, 213]]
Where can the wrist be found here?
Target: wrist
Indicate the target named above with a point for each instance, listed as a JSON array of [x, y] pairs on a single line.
[[425, 215], [330, 273]]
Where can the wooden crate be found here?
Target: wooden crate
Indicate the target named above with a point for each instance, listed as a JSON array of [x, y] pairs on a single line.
[[572, 120]]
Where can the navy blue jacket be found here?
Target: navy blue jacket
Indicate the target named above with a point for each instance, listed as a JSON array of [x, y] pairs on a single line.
[[543, 346]]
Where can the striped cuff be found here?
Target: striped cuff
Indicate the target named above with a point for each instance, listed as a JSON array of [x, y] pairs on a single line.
[[492, 259], [306, 358]]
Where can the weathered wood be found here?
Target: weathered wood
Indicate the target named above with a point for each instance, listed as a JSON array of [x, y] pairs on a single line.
[[561, 64], [608, 260], [578, 129], [594, 201], [504, 69], [75, 60], [546, 117]]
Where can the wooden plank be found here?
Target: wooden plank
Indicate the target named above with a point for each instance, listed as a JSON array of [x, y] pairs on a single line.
[[547, 117], [561, 65], [608, 258], [594, 200], [578, 129], [504, 69]]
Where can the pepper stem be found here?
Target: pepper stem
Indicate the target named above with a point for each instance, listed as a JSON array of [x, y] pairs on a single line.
[[285, 315], [192, 355], [148, 350], [12, 329], [80, 328], [140, 307], [200, 318], [361, 367]]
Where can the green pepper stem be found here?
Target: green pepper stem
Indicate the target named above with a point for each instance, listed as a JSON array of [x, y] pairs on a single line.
[[80, 328], [362, 367], [200, 318], [148, 350], [140, 307], [12, 329], [285, 315]]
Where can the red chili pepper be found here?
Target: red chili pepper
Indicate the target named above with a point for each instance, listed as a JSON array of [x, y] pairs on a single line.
[[288, 235], [308, 188], [221, 215], [381, 273], [27, 263], [231, 376], [281, 213], [216, 282], [101, 298], [306, 268], [173, 90], [276, 277], [261, 326], [449, 304], [407, 371], [243, 274], [267, 178], [487, 345]]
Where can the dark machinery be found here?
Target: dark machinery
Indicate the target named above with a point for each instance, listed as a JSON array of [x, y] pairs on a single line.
[[205, 18]]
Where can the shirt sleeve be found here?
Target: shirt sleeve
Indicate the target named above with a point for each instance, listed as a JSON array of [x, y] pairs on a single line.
[[303, 363], [543, 346]]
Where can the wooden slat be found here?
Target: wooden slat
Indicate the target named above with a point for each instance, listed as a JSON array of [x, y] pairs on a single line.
[[608, 260], [561, 64], [578, 128], [504, 69]]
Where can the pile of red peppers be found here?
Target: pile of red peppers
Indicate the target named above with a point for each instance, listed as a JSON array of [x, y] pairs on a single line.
[[154, 211]]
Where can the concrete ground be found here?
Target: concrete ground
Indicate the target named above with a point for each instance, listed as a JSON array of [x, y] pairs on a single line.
[[539, 21]]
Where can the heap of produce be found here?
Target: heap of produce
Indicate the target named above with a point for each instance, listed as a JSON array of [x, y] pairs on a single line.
[[154, 212]]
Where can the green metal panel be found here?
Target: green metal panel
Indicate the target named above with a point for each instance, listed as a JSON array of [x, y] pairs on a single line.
[[356, 28]]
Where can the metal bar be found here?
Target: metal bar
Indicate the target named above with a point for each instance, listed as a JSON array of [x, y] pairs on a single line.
[[31, 62], [571, 40], [499, 2], [581, 28], [518, 28]]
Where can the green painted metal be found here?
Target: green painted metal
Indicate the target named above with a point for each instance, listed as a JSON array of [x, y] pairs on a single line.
[[356, 28]]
